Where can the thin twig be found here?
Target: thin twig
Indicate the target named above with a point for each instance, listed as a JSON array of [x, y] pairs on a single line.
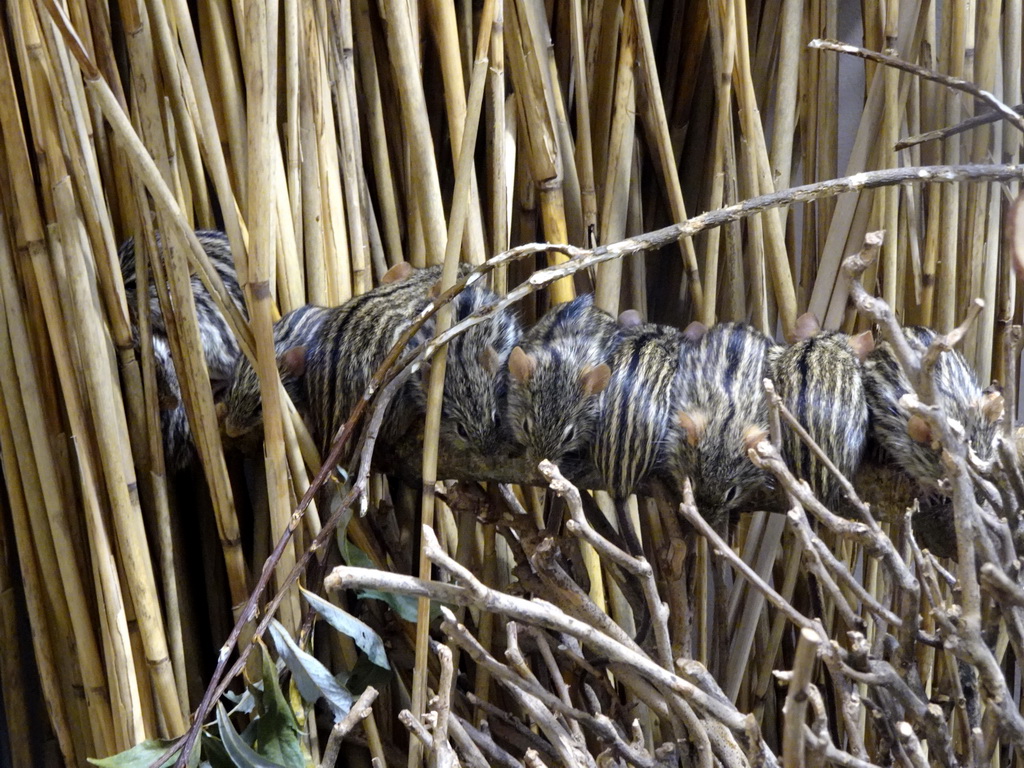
[[359, 711], [944, 133], [950, 82]]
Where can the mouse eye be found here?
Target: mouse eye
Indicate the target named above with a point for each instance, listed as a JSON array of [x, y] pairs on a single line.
[[569, 433], [731, 495], [461, 430]]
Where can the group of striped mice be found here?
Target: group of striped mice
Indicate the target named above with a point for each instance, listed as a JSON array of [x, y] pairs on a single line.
[[636, 400]]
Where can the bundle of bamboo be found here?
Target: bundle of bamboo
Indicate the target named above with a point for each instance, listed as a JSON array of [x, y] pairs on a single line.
[[332, 140]]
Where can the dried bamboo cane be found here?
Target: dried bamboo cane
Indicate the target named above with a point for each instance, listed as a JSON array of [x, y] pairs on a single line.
[[262, 99], [890, 133], [424, 178], [435, 389], [155, 469], [584, 142], [168, 63], [787, 82], [778, 264], [366, 58], [315, 241], [30, 432], [442, 21], [501, 178], [228, 84], [949, 232], [1011, 75], [983, 249], [142, 163], [829, 296], [723, 43], [35, 599], [118, 475], [351, 157], [612, 221], [14, 673], [660, 142], [531, 80]]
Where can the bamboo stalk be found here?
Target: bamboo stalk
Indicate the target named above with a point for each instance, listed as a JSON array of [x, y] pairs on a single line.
[[262, 99], [14, 672], [723, 43], [656, 123], [984, 242], [829, 296], [315, 242], [168, 62], [612, 221], [949, 232], [352, 173], [29, 431], [890, 132], [826, 161], [531, 80], [438, 366], [1010, 149], [118, 476], [190, 365], [424, 180], [442, 21], [787, 79], [501, 200], [208, 134], [387, 203], [777, 261], [584, 142], [34, 594], [154, 469]]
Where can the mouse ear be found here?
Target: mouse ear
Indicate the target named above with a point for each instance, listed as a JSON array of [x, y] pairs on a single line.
[[595, 378], [863, 344], [919, 429], [807, 325], [400, 271], [695, 331], [489, 359], [630, 319], [168, 401], [753, 435], [991, 405], [521, 365], [292, 361], [693, 424]]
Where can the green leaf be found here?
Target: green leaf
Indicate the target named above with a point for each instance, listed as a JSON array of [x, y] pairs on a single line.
[[365, 674], [244, 702], [406, 606], [311, 677], [352, 554], [277, 732], [241, 754], [214, 752], [142, 755], [366, 639]]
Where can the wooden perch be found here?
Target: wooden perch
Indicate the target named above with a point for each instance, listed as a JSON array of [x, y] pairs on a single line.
[[887, 490]]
